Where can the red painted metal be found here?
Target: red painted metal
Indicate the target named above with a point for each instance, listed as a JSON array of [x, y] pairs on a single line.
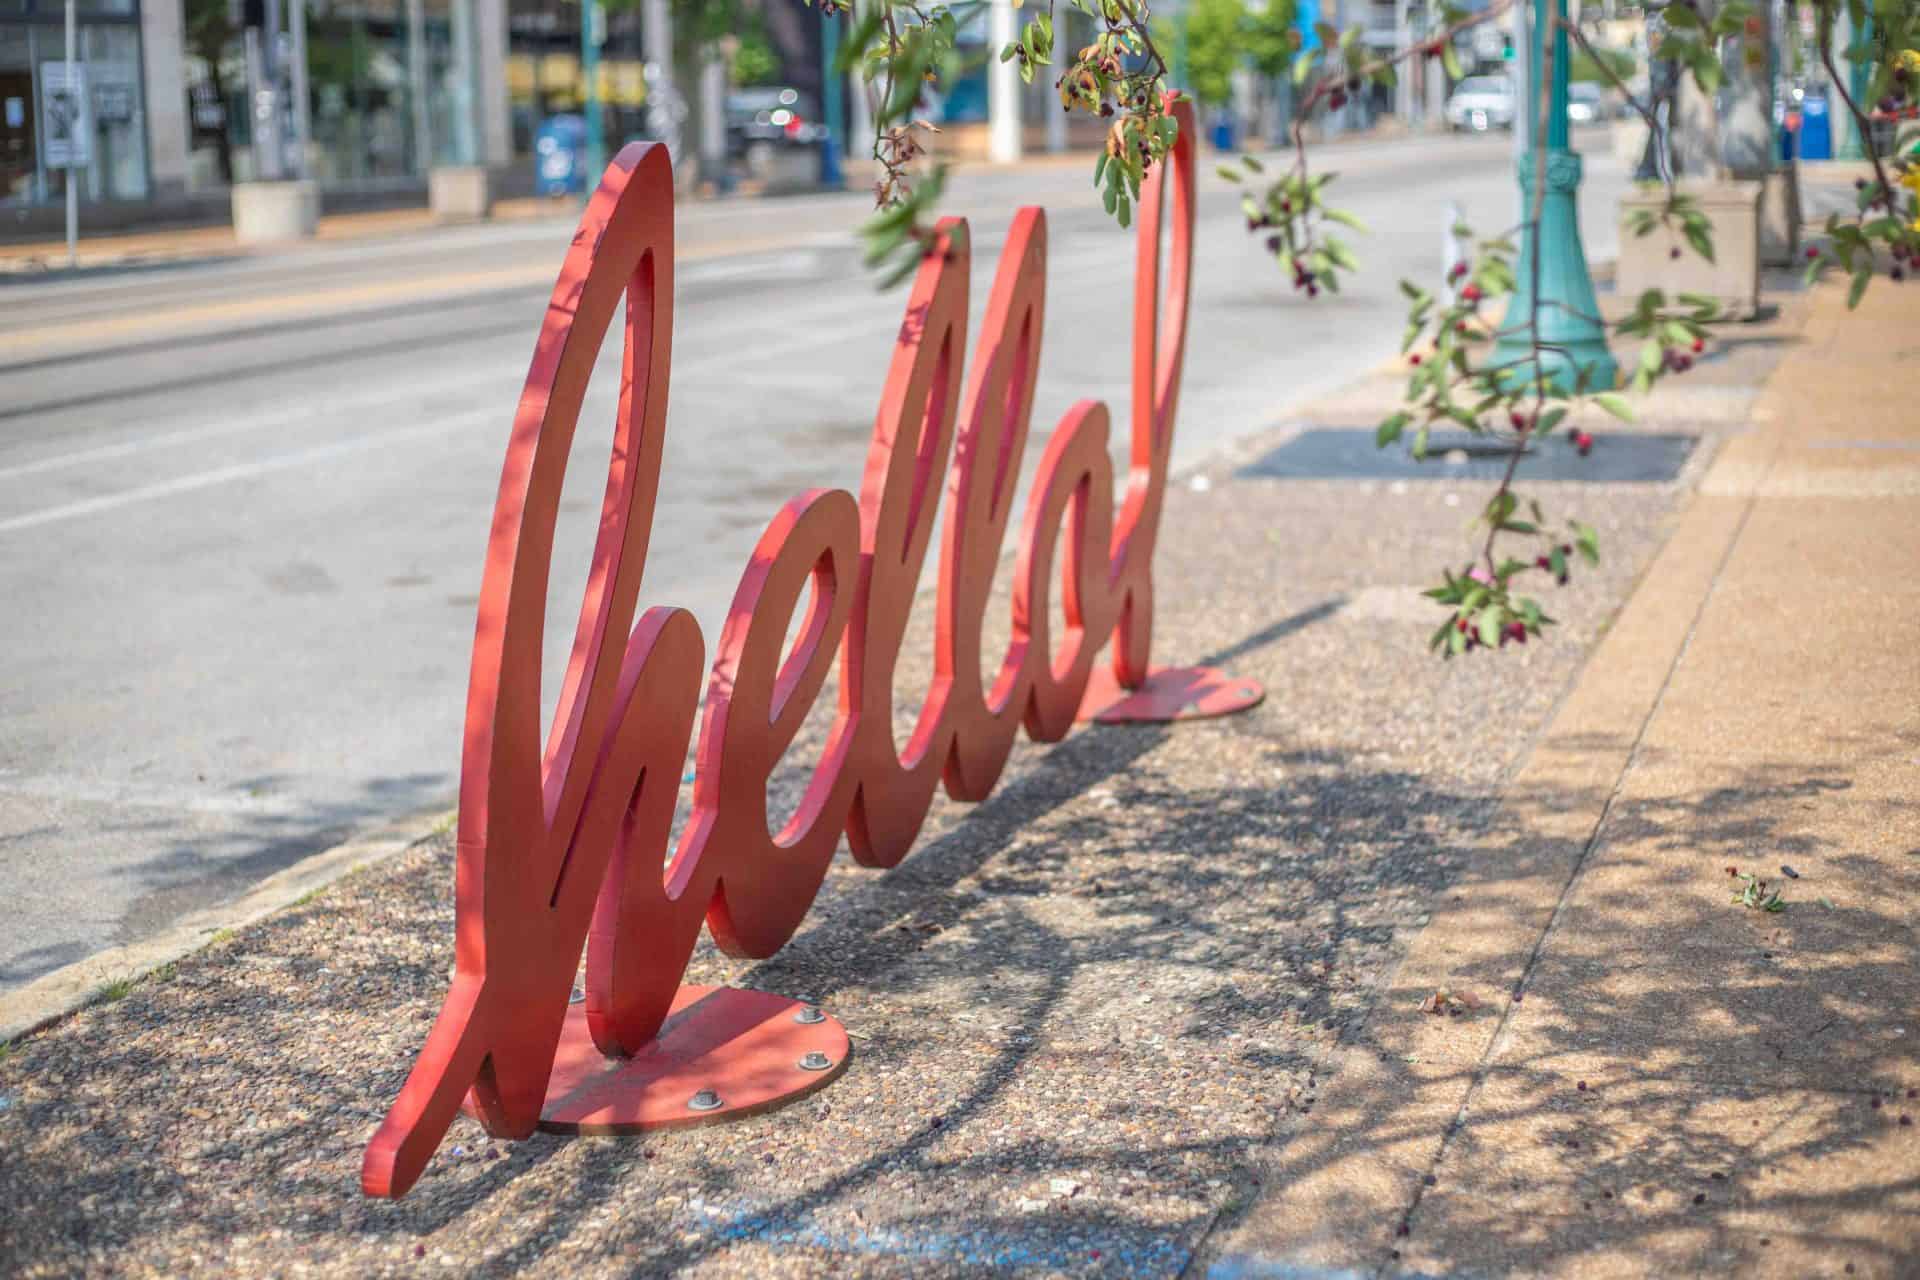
[[1168, 693], [749, 1048], [565, 846]]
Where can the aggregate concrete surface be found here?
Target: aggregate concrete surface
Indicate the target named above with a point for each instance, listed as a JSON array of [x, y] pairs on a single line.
[[1079, 1009]]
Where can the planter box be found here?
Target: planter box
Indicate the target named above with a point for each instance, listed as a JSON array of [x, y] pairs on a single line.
[[1733, 276], [459, 193], [270, 212]]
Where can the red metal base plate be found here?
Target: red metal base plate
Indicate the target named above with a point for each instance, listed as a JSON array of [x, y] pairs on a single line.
[[723, 1054], [1168, 693]]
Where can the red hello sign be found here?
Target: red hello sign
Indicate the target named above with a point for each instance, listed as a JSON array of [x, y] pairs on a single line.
[[563, 847]]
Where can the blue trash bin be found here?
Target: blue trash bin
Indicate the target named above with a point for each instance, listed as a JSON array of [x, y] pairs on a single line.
[[1223, 133], [1816, 128], [559, 156]]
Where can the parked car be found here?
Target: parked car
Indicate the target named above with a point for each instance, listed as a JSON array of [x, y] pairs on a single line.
[[1480, 103], [763, 120], [1586, 103]]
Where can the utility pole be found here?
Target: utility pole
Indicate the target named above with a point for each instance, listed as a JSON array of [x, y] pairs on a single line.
[[1563, 310]]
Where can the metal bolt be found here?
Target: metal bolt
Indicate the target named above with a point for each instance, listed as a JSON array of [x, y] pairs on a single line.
[[810, 1015], [815, 1061], [577, 996], [705, 1100]]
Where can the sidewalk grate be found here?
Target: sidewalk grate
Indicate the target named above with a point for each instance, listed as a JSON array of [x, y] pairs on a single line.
[[1348, 453]]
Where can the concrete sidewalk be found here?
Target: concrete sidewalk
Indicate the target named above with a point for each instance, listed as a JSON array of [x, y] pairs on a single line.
[[34, 258], [1658, 1080], [1155, 1008]]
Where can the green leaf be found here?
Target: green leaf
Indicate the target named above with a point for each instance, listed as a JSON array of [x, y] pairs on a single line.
[[1861, 274], [1587, 540], [1390, 430], [1615, 404], [1344, 218], [1302, 66]]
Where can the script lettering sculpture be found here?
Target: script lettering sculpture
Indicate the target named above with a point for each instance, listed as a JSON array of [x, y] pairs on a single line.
[[564, 846]]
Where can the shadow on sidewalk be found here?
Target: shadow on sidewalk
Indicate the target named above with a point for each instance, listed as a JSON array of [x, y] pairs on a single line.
[[1168, 940]]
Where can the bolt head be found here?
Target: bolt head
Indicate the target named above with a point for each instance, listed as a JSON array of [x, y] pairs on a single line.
[[815, 1061], [705, 1100]]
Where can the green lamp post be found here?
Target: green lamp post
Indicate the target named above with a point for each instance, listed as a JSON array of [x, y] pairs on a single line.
[[593, 33], [1565, 307]]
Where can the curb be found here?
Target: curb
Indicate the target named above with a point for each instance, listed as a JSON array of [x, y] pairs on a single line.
[[67, 990]]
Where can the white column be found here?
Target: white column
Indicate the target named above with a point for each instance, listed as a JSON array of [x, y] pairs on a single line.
[[859, 155], [1003, 87], [163, 67], [490, 82], [713, 115]]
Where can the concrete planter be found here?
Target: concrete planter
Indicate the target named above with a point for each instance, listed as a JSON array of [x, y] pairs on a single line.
[[269, 212], [1733, 277], [459, 193]]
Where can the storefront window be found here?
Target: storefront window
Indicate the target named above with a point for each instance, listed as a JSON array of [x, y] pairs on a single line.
[[109, 53], [360, 78]]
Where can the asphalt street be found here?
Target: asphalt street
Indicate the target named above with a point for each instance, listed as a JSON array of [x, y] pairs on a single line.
[[244, 502]]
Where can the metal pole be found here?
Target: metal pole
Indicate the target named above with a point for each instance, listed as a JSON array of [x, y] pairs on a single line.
[[417, 84], [274, 142], [1564, 312], [73, 186], [832, 146], [465, 97], [663, 100], [593, 23], [302, 108]]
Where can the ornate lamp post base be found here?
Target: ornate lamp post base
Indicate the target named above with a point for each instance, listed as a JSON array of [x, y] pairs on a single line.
[[1568, 314]]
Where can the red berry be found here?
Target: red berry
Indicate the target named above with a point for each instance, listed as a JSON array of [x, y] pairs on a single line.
[[1583, 442], [1812, 253], [1471, 293], [1414, 358], [1699, 344], [1673, 253], [1542, 562]]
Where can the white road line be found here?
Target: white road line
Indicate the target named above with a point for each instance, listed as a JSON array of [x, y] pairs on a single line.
[[824, 337], [187, 435], [242, 471]]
